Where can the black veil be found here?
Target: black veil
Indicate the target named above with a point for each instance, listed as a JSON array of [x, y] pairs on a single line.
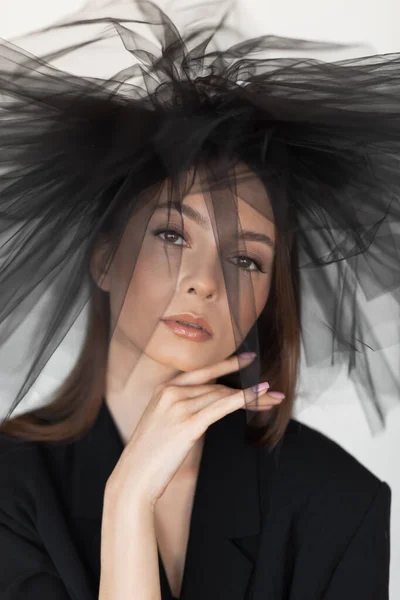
[[306, 150]]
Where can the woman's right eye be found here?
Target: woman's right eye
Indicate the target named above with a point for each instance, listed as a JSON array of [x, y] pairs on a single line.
[[168, 233]]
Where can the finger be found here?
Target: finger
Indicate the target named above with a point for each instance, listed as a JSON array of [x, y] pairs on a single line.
[[203, 375], [200, 402], [194, 404], [264, 403], [218, 409], [183, 393]]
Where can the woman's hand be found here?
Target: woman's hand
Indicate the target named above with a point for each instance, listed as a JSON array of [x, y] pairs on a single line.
[[176, 417]]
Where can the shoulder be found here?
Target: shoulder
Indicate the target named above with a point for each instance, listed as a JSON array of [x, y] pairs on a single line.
[[29, 499], [315, 455], [319, 477], [14, 450], [22, 477]]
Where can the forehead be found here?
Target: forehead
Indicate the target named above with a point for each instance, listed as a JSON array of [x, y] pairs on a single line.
[[222, 192]]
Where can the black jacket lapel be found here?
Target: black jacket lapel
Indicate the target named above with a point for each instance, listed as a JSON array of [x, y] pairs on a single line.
[[226, 518]]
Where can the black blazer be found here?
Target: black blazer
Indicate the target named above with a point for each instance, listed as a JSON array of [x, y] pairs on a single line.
[[307, 522]]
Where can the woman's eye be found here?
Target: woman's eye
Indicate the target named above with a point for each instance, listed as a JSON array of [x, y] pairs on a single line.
[[168, 233], [244, 264]]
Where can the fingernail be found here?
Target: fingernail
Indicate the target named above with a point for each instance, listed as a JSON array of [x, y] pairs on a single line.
[[260, 387], [277, 395], [247, 355]]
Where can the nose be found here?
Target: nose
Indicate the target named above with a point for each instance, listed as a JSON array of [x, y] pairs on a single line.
[[204, 279]]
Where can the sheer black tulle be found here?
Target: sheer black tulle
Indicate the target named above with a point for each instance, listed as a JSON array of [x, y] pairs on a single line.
[[81, 155]]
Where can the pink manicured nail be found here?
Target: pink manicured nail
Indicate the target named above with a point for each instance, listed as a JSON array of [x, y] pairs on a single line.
[[277, 395], [247, 355], [261, 387]]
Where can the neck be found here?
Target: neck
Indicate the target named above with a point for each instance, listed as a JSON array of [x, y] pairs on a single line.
[[132, 377]]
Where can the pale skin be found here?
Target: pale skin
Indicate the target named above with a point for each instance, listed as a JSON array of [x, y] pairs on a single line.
[[149, 495]]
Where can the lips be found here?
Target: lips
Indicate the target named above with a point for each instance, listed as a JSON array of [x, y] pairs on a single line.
[[186, 318]]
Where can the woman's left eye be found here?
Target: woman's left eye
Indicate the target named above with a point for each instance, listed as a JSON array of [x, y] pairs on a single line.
[[256, 265]]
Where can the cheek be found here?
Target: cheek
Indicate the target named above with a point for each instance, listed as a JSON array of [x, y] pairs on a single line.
[[152, 283], [253, 301], [149, 290], [262, 297]]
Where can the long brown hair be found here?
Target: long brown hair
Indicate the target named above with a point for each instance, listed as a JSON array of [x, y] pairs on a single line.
[[77, 402]]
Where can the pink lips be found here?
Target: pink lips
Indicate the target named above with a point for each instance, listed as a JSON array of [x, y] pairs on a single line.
[[201, 321], [187, 331]]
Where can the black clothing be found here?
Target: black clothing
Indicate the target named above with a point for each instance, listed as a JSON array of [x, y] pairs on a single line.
[[307, 522]]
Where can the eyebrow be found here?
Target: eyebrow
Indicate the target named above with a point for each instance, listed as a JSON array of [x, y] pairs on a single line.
[[200, 220]]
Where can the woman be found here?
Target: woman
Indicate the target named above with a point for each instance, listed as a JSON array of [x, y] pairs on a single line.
[[183, 209]]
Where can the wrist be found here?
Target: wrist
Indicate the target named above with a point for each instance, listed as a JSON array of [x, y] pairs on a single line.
[[121, 502]]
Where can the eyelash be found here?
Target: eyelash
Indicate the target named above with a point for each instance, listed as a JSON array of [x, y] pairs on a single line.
[[258, 264]]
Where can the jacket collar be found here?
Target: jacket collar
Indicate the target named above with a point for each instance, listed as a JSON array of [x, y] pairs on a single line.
[[226, 517]]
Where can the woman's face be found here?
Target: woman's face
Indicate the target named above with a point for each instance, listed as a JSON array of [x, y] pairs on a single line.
[[180, 269]]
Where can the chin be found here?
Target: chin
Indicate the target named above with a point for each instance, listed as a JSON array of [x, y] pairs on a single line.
[[183, 355], [188, 362], [184, 358]]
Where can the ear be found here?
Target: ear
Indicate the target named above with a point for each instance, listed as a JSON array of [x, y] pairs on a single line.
[[98, 265]]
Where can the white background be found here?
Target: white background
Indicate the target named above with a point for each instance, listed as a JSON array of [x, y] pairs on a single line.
[[376, 27]]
